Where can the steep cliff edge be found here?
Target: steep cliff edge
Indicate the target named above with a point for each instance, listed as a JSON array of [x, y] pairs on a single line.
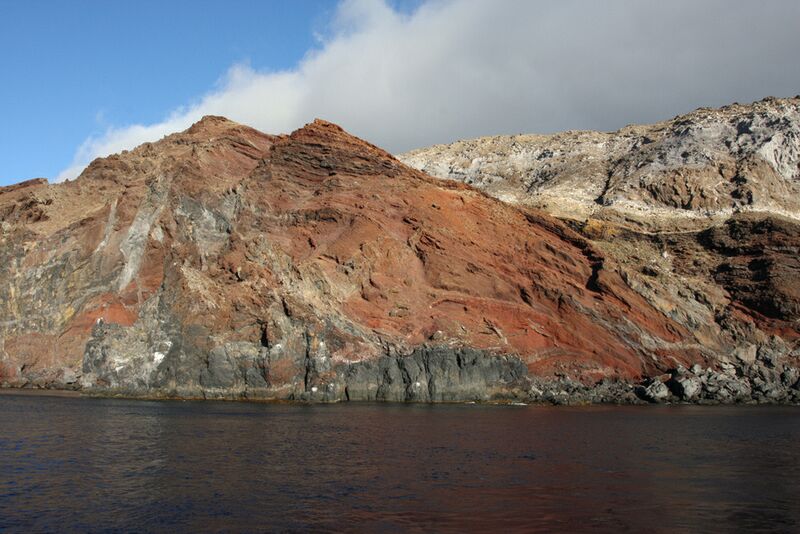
[[222, 262]]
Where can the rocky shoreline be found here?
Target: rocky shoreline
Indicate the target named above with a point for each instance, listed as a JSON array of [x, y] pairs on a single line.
[[447, 375]]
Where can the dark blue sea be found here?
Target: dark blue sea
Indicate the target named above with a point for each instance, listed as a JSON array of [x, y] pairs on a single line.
[[95, 465]]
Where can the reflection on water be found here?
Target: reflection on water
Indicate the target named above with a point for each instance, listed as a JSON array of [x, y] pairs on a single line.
[[89, 464]]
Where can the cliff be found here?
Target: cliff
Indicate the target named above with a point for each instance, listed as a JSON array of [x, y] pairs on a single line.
[[222, 262], [700, 213]]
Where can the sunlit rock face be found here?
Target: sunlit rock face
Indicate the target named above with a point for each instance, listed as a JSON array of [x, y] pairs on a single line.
[[700, 214], [686, 172], [222, 262]]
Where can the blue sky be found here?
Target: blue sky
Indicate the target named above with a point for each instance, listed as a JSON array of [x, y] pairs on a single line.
[[71, 68], [81, 79]]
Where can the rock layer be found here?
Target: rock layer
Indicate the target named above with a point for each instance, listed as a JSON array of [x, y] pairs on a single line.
[[700, 214], [679, 173], [222, 262]]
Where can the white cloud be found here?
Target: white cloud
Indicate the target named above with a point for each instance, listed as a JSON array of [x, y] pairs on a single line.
[[455, 69]]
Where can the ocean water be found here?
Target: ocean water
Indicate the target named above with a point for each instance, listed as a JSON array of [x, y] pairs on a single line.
[[78, 464]]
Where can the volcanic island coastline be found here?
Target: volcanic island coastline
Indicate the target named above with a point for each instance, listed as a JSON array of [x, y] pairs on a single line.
[[654, 264]]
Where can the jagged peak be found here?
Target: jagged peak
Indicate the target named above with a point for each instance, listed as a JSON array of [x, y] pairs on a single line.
[[211, 124], [323, 132], [320, 127]]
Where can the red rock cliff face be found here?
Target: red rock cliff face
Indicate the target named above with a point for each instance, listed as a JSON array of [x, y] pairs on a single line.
[[223, 262]]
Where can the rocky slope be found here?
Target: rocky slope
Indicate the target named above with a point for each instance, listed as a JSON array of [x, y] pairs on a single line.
[[680, 173], [222, 262], [699, 212]]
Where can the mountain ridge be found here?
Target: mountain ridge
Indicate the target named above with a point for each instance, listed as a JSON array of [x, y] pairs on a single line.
[[690, 170], [222, 262]]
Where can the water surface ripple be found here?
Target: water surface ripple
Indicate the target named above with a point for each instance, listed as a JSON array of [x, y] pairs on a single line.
[[76, 464]]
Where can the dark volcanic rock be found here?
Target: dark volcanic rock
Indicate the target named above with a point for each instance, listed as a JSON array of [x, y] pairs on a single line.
[[438, 374], [761, 266]]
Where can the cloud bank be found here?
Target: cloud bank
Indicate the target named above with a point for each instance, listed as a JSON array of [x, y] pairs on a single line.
[[465, 68]]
